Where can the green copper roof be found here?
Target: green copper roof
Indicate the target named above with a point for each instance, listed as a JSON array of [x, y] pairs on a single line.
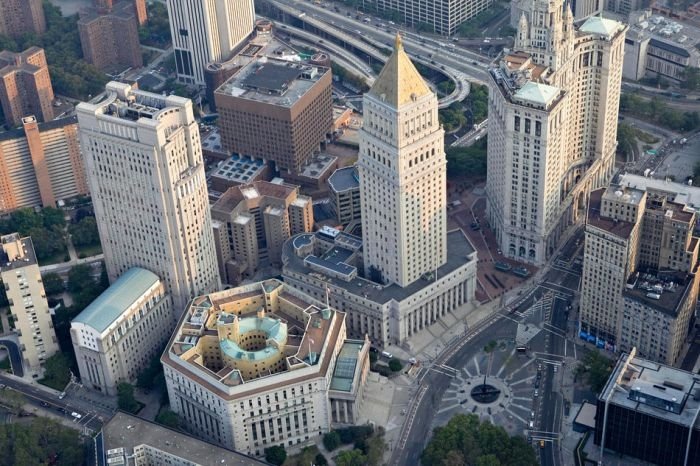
[[273, 328], [117, 298]]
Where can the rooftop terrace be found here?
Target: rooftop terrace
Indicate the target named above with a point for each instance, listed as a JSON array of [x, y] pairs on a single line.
[[664, 292]]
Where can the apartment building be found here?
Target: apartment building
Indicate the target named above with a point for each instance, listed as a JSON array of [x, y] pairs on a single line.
[[443, 17], [640, 281], [553, 110], [119, 333], [207, 31], [25, 86], [19, 17], [29, 309], [261, 365], [277, 110], [648, 411], [41, 164], [252, 222], [344, 185], [143, 159], [109, 34]]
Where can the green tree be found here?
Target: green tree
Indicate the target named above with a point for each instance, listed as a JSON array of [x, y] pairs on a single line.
[[80, 278], [275, 454], [84, 233], [320, 460], [169, 419], [42, 441], [125, 398], [57, 371], [13, 400], [691, 78], [597, 369], [350, 458], [331, 440], [465, 440], [467, 161], [53, 283], [395, 365]]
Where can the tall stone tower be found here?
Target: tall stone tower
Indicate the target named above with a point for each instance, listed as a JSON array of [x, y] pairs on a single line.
[[402, 170], [143, 159], [553, 108]]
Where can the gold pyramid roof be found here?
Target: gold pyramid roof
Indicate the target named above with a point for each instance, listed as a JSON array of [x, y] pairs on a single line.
[[399, 79]]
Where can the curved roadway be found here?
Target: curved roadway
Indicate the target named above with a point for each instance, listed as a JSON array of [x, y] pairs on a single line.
[[15, 356]]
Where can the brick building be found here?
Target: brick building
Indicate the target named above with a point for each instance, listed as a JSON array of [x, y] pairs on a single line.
[[25, 86]]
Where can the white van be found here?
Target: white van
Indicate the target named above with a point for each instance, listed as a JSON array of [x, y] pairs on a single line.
[[387, 354]]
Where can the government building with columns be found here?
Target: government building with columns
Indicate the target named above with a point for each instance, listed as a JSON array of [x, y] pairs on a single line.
[[553, 108], [406, 271]]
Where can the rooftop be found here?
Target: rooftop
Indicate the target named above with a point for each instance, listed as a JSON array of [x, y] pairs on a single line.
[[16, 252], [459, 252], [250, 192], [318, 165], [601, 26], [680, 193], [399, 81], [654, 389], [344, 179], [618, 228], [116, 299], [538, 94], [124, 432], [239, 169], [299, 334], [663, 292], [45, 126], [273, 81], [346, 366]]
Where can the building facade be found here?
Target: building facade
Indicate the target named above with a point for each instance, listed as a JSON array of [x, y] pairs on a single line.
[[25, 86], [119, 333], [640, 283], [263, 365], [20, 275], [41, 164], [402, 169], [19, 17], [109, 34], [329, 263], [581, 9], [443, 17], [143, 159], [344, 184], [276, 110], [207, 31], [251, 224], [127, 439], [649, 411], [553, 110]]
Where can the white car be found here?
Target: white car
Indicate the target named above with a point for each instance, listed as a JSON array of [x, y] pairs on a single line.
[[76, 415], [62, 395]]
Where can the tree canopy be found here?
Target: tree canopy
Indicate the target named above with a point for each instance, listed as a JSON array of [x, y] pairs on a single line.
[[45, 227], [467, 161], [125, 398], [70, 74], [597, 369], [465, 440], [84, 233], [42, 441], [275, 454], [57, 371], [657, 111]]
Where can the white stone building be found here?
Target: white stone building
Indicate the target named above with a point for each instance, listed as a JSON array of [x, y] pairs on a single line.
[[143, 160], [119, 333], [261, 365], [553, 110]]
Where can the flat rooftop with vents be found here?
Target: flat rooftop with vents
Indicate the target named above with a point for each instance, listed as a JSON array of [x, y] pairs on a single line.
[[273, 81], [654, 389]]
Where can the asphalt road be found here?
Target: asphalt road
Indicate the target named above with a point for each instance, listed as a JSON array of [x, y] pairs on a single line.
[[560, 281], [45, 400], [15, 356]]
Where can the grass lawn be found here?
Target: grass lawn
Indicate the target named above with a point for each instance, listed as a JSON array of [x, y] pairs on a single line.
[[87, 251]]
